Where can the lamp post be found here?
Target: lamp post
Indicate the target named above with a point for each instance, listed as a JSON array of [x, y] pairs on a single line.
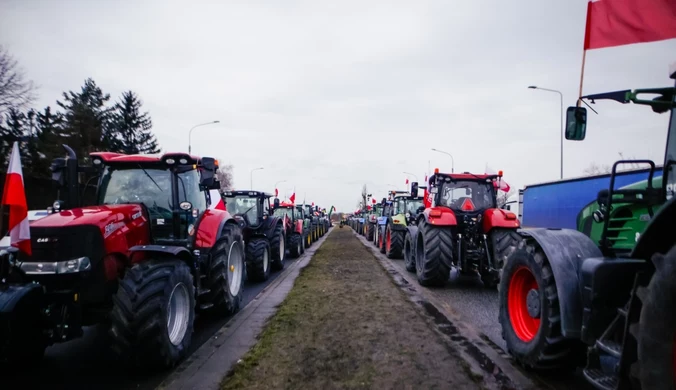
[[409, 173], [193, 128], [448, 154], [251, 175], [560, 120]]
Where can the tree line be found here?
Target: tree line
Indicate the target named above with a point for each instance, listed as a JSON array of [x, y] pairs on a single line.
[[87, 120]]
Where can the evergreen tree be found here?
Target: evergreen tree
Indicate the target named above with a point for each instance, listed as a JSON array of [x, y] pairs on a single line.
[[49, 138], [12, 130], [133, 128], [87, 120]]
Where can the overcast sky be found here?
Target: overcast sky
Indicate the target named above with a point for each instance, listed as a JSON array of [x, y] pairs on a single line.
[[331, 95]]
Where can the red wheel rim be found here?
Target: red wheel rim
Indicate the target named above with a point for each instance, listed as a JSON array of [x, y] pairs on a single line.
[[525, 326], [389, 239]]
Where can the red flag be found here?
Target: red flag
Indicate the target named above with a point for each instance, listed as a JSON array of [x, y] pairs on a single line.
[[623, 22], [407, 180], [14, 197], [292, 198], [427, 199], [313, 204], [425, 178], [502, 185], [373, 200], [218, 205], [276, 193]]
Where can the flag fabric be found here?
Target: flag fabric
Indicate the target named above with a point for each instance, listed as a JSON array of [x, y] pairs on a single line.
[[427, 199], [276, 193], [313, 204], [501, 184], [624, 22], [14, 197], [425, 178], [373, 200], [407, 180], [292, 198], [218, 205]]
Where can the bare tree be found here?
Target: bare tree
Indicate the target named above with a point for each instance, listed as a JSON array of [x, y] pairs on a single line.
[[224, 176], [595, 169], [15, 91], [364, 195]]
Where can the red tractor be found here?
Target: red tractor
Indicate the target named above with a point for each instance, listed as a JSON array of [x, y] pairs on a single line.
[[264, 234], [463, 229], [145, 259], [293, 226]]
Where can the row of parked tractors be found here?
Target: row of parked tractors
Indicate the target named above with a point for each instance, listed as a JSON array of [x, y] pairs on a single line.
[[566, 300], [145, 259]]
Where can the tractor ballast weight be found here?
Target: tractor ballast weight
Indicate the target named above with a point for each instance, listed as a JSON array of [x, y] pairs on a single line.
[[618, 306], [80, 255]]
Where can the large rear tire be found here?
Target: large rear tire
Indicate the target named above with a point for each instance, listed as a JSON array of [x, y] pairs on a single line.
[[657, 325], [434, 251], [278, 247], [153, 313], [409, 253], [258, 260], [226, 274], [381, 239], [502, 243], [394, 242], [530, 313], [370, 232], [296, 243]]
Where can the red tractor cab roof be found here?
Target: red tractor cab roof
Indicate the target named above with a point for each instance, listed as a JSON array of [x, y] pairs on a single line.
[[465, 176], [286, 204], [166, 158]]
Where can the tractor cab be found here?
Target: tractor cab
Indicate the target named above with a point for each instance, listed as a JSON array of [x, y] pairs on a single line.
[[172, 190], [286, 210], [250, 208]]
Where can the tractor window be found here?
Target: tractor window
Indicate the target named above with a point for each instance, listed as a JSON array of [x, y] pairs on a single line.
[[400, 206], [412, 205], [299, 213], [282, 211], [241, 205], [189, 190], [454, 194], [152, 187]]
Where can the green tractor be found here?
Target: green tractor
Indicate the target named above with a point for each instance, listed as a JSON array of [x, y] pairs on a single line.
[[567, 300], [405, 209], [308, 237]]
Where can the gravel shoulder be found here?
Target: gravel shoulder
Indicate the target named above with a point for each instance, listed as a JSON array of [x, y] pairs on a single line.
[[345, 324]]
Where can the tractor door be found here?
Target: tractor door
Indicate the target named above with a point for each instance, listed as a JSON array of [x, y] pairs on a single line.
[[192, 202]]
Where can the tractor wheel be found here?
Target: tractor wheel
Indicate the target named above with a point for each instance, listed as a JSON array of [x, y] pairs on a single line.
[[278, 247], [376, 235], [302, 243], [296, 243], [394, 242], [370, 232], [433, 253], [308, 240], [657, 325], [409, 253], [381, 239], [258, 259], [226, 273], [502, 243], [153, 313], [22, 339], [530, 314]]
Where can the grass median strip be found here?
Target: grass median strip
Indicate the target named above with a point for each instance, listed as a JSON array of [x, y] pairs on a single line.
[[346, 325]]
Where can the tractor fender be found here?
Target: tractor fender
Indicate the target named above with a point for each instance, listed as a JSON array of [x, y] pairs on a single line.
[[270, 224], [439, 216], [399, 226], [566, 250], [139, 252], [498, 218], [413, 232], [382, 220], [20, 294], [210, 227]]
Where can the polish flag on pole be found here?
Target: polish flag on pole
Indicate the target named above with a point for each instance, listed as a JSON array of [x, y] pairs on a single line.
[[503, 186], [14, 197], [218, 205], [292, 198]]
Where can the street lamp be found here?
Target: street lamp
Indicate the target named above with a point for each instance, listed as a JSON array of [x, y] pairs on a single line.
[[448, 154], [409, 173], [560, 120], [251, 175], [281, 181], [193, 128]]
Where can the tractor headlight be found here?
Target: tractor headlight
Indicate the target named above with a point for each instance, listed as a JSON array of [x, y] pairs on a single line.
[[80, 264], [408, 215]]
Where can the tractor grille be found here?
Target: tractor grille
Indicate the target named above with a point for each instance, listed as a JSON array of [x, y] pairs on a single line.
[[65, 243]]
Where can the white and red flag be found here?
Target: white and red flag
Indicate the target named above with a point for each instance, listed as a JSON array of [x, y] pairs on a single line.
[[14, 197], [216, 204], [501, 184]]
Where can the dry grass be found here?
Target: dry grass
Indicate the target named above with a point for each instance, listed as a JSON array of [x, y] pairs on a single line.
[[345, 325]]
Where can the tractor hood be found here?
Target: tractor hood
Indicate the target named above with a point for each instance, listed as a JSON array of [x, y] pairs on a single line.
[[99, 216]]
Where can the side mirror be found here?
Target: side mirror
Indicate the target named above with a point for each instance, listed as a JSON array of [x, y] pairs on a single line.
[[208, 180], [275, 203], [508, 207], [414, 188], [576, 123], [209, 164], [57, 168]]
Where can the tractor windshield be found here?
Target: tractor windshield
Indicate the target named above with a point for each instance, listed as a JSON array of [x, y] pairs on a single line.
[[282, 211], [242, 204], [150, 186], [467, 195], [412, 205]]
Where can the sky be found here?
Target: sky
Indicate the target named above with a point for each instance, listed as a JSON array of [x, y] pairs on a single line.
[[328, 96]]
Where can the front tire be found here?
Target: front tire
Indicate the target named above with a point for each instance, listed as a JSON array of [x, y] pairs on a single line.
[[394, 242], [657, 325], [502, 242], [278, 247], [530, 314], [226, 274], [434, 251], [370, 232], [153, 313], [409, 253], [258, 259]]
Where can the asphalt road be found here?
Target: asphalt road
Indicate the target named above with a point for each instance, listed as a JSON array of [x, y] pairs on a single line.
[[478, 306], [88, 363]]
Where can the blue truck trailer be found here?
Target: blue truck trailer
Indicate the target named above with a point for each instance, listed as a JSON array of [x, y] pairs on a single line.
[[558, 204]]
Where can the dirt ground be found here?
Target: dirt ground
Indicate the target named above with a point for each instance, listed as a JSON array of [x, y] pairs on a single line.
[[346, 325]]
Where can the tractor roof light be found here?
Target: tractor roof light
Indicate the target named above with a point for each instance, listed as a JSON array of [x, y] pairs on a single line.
[[436, 171], [500, 173], [170, 161]]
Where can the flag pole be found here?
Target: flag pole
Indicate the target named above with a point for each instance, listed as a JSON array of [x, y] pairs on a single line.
[[584, 50]]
